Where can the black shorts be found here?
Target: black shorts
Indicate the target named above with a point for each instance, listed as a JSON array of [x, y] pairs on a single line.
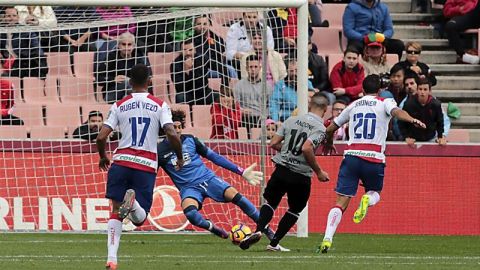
[[297, 187]]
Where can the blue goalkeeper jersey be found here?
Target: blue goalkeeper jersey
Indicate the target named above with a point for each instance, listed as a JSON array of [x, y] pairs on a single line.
[[194, 171]]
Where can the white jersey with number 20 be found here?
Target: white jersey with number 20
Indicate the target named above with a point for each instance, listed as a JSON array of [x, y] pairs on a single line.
[[368, 119], [139, 117]]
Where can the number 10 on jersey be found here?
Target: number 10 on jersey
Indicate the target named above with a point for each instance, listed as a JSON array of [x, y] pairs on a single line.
[[136, 122]]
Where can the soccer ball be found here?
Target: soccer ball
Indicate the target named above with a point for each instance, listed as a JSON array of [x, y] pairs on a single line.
[[238, 233]]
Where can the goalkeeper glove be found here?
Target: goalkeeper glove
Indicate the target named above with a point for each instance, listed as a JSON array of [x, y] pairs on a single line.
[[252, 177]]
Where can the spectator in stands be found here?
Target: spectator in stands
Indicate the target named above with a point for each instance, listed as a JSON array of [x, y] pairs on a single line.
[[7, 102], [337, 108], [43, 16], [284, 98], [108, 35], [226, 116], [462, 15], [396, 88], [347, 76], [413, 50], [114, 72], [375, 59], [427, 109], [89, 130], [364, 18], [189, 75], [212, 48], [276, 69], [271, 127], [180, 29], [318, 73], [21, 52], [249, 93], [238, 40]]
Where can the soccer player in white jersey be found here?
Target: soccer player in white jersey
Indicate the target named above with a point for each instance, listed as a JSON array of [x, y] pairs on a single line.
[[368, 119], [131, 178]]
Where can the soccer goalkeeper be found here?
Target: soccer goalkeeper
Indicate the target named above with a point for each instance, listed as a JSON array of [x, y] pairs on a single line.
[[197, 182]]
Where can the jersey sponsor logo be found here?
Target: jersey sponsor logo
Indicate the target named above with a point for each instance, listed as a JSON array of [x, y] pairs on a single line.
[[166, 213], [366, 154], [186, 159], [134, 159]]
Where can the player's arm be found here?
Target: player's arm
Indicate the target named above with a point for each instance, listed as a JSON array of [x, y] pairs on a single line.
[[308, 150], [102, 137], [276, 142], [404, 116], [175, 142]]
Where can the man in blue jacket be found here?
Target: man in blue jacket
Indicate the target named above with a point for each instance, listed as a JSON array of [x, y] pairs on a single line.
[[367, 21]]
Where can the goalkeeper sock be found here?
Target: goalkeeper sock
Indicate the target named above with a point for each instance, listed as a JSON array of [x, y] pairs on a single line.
[[114, 229], [247, 206], [137, 214], [266, 214], [334, 217], [192, 214], [286, 223], [373, 197]]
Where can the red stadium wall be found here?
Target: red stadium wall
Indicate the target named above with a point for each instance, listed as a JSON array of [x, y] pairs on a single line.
[[432, 190]]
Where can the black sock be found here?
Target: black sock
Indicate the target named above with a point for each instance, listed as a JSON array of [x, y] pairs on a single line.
[[266, 214], [287, 222]]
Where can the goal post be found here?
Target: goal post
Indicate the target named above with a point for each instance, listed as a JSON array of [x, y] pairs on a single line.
[[41, 218]]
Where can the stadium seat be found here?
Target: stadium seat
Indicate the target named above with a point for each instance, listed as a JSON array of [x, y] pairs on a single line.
[[215, 83], [242, 133], [160, 62], [59, 64], [201, 116], [392, 59], [334, 14], [255, 133], [52, 132], [83, 64], [458, 136], [87, 108], [327, 40], [35, 90], [62, 115], [163, 88], [186, 109], [13, 132], [333, 59], [201, 133], [75, 90], [31, 114]]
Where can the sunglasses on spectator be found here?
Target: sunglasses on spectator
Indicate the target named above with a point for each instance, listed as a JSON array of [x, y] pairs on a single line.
[[413, 52]]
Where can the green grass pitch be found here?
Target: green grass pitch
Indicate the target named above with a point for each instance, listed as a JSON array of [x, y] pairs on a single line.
[[197, 252]]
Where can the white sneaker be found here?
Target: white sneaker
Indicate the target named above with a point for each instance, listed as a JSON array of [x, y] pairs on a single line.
[[127, 204], [470, 59], [277, 248]]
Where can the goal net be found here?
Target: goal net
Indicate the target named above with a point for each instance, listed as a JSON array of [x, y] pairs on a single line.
[[62, 67]]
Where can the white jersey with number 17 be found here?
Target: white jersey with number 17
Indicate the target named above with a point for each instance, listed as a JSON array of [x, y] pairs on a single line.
[[368, 119], [139, 117]]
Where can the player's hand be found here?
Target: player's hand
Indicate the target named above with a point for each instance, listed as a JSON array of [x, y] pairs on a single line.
[[179, 164], [104, 164], [410, 141], [252, 177], [323, 176], [418, 123], [441, 141]]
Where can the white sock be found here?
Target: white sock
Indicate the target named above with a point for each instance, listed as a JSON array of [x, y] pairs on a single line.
[[334, 217], [138, 214], [114, 230], [374, 197]]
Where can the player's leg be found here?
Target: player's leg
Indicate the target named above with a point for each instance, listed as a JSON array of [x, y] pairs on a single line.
[[372, 178], [298, 193], [115, 191], [273, 195], [346, 188], [142, 183]]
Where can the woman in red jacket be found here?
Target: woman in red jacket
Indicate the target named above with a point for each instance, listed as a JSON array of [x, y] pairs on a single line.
[[463, 14], [226, 116]]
